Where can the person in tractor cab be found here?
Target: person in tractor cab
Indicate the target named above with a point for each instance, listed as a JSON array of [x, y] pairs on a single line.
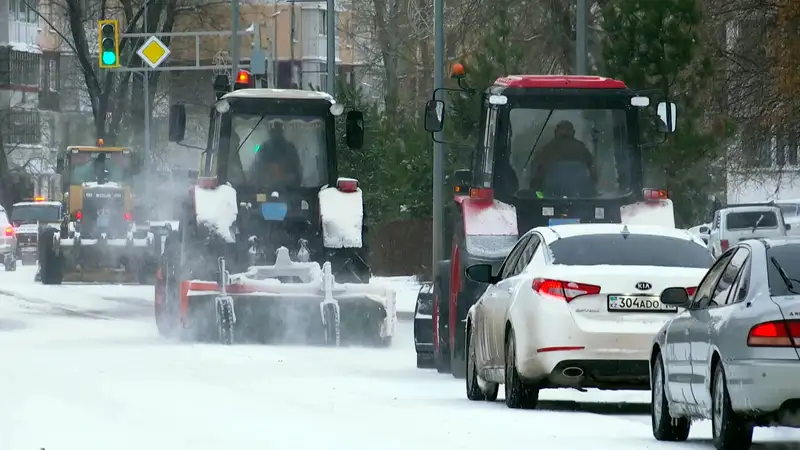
[[565, 166], [100, 171], [278, 159]]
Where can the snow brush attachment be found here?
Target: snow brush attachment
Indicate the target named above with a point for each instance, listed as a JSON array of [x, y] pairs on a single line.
[[290, 301]]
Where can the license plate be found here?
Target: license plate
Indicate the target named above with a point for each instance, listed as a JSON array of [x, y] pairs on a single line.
[[562, 221], [632, 303], [28, 249]]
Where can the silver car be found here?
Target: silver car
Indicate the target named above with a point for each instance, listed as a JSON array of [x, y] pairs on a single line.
[[732, 354], [8, 242]]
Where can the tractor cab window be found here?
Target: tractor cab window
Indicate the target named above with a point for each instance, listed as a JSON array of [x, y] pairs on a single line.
[[277, 150], [88, 167], [570, 153], [483, 159]]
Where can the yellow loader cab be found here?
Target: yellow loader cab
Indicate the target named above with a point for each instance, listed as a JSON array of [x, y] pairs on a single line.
[[98, 241], [79, 166]]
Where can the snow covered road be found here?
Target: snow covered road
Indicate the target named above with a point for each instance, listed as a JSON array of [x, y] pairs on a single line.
[[82, 368]]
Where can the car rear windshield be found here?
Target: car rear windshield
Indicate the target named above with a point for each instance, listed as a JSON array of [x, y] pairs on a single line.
[[788, 257], [630, 250], [35, 213], [748, 219]]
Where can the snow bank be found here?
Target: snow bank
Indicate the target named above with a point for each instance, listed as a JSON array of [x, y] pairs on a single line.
[[342, 216], [217, 209]]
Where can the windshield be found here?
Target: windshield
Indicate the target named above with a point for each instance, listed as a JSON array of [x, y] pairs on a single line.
[[749, 219], [788, 257], [633, 250], [278, 150], [86, 166], [572, 153], [35, 213]]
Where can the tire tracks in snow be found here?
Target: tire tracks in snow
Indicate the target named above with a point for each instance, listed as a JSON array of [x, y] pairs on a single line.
[[133, 307]]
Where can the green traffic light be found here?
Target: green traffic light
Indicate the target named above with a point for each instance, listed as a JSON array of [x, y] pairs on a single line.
[[109, 58]]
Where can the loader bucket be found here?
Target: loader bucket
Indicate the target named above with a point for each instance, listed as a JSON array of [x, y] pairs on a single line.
[[105, 260]]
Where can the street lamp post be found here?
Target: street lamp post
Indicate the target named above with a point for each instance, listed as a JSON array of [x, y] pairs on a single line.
[[274, 47]]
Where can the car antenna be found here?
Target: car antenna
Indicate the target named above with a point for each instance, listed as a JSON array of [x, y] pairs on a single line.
[[625, 232], [558, 236]]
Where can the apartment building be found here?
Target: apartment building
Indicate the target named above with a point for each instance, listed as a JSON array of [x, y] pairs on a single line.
[[28, 93]]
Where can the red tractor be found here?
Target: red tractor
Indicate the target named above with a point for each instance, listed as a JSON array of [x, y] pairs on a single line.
[[520, 178]]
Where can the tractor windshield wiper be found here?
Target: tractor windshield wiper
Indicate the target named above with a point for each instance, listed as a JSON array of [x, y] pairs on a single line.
[[758, 222], [539, 136], [260, 119], [786, 280]]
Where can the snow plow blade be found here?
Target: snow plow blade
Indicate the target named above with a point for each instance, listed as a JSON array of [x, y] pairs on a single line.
[[264, 307], [106, 260]]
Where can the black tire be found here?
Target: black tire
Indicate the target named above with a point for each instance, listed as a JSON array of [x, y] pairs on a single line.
[[51, 264], [425, 361], [665, 427], [441, 295], [474, 391], [167, 317], [225, 322], [458, 359], [729, 430], [519, 395]]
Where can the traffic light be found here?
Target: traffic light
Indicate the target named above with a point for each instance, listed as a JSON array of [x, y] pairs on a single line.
[[108, 34]]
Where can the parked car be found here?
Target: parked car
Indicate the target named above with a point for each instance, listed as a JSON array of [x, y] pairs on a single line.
[[8, 242], [576, 306], [731, 355], [701, 231], [745, 221], [28, 218], [423, 326]]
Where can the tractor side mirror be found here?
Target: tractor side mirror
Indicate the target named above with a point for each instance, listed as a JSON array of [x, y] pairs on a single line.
[[136, 163], [60, 164], [354, 129], [177, 122], [667, 115], [434, 116]]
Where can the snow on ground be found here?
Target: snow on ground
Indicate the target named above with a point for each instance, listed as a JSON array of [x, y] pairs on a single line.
[[73, 382]]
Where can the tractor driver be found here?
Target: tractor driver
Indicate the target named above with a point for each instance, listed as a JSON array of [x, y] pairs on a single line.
[[564, 167], [278, 159], [100, 171]]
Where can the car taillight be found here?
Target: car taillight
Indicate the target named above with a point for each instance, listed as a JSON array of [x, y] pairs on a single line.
[[128, 217], [724, 244], [691, 290], [78, 215], [780, 333], [563, 290], [9, 231]]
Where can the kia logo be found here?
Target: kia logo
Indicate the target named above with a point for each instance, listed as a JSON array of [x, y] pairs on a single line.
[[643, 286]]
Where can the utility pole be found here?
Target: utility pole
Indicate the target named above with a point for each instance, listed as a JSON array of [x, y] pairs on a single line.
[[438, 148], [234, 40], [581, 27], [331, 53], [148, 157]]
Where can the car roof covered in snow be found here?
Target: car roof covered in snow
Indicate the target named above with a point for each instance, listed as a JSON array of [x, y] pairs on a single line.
[[556, 232], [293, 94], [37, 203]]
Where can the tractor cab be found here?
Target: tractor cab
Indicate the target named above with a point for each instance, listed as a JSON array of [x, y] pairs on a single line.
[[277, 148], [562, 149]]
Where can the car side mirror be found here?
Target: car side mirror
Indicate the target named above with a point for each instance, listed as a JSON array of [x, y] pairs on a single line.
[[788, 227], [177, 122], [434, 116], [480, 273], [675, 296], [354, 129], [667, 114]]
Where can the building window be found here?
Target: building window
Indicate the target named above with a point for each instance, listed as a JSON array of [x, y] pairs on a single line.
[[19, 10], [22, 127], [323, 25], [25, 68]]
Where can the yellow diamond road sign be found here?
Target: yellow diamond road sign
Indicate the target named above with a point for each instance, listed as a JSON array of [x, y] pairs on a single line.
[[153, 52]]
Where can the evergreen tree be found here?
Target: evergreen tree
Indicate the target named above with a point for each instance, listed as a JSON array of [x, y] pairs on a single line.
[[657, 44]]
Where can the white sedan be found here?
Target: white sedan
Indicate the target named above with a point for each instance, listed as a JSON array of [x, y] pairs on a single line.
[[576, 306]]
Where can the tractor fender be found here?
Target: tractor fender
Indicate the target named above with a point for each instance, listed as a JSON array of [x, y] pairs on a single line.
[[342, 217], [216, 208]]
